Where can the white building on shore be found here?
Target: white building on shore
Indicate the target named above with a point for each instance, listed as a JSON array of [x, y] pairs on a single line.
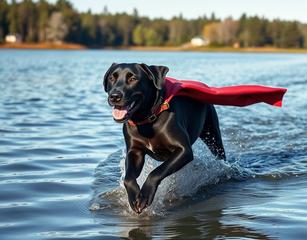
[[13, 38], [199, 41]]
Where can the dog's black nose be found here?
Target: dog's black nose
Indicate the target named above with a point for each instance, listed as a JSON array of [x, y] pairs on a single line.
[[115, 97]]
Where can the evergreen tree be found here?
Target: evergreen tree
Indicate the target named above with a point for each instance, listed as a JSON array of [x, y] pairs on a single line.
[[291, 36], [41, 21], [71, 19], [4, 25], [44, 12], [13, 18]]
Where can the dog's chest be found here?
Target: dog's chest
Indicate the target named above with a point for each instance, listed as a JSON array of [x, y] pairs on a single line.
[[158, 150], [154, 147], [150, 146]]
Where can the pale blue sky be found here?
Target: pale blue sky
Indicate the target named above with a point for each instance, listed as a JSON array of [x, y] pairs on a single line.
[[284, 9]]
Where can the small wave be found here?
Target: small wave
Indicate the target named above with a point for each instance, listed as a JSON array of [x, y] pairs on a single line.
[[204, 170], [192, 180]]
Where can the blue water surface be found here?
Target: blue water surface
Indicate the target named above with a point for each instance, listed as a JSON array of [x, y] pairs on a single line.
[[61, 153]]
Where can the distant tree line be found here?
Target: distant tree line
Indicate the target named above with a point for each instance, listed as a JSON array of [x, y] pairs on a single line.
[[41, 21]]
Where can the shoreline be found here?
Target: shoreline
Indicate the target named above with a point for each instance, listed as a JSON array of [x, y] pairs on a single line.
[[43, 46], [218, 49], [72, 46]]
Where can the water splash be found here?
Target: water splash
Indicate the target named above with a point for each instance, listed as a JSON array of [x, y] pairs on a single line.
[[204, 170]]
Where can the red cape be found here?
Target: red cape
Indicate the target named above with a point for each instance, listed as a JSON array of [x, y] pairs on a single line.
[[241, 95]]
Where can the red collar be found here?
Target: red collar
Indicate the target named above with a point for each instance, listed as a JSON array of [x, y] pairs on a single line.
[[162, 107]]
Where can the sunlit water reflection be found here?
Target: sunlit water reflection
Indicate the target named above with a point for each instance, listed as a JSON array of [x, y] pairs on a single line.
[[61, 154]]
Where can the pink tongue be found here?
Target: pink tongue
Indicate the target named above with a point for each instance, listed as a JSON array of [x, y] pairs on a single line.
[[119, 114]]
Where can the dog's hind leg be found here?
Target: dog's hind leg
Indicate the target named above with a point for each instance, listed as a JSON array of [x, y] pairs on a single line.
[[211, 134]]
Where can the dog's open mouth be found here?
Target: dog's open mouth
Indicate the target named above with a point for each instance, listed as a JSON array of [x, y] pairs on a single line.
[[122, 113]]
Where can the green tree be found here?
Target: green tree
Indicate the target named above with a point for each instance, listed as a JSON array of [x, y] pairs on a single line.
[[152, 38], [179, 31], [138, 35], [4, 25], [253, 32], [275, 29], [152, 35], [89, 29], [161, 27], [32, 16], [26, 20], [108, 31], [125, 25], [291, 36], [71, 19], [44, 11], [13, 18], [303, 30], [41, 20]]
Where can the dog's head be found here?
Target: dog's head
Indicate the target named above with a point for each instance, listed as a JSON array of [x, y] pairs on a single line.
[[132, 88]]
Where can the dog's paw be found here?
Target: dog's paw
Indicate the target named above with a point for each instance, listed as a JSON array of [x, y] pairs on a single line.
[[145, 197], [133, 204], [133, 191]]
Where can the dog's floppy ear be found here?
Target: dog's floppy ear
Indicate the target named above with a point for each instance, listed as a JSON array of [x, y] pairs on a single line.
[[106, 75], [156, 74]]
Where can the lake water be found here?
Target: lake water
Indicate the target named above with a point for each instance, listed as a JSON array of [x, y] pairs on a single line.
[[61, 154]]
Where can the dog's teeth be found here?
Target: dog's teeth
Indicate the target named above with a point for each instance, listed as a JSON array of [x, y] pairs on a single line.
[[131, 105]]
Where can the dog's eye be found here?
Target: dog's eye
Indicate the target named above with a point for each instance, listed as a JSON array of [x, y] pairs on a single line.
[[112, 79], [131, 80]]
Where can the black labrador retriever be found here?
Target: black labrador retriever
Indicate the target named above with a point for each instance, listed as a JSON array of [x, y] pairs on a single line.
[[135, 90]]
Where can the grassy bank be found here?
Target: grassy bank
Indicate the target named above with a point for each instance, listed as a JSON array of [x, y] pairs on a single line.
[[222, 49], [66, 46], [249, 50]]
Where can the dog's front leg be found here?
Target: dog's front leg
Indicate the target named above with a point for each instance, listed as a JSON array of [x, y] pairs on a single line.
[[134, 164], [179, 158]]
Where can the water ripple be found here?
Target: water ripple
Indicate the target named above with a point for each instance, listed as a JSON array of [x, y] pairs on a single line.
[[61, 153]]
